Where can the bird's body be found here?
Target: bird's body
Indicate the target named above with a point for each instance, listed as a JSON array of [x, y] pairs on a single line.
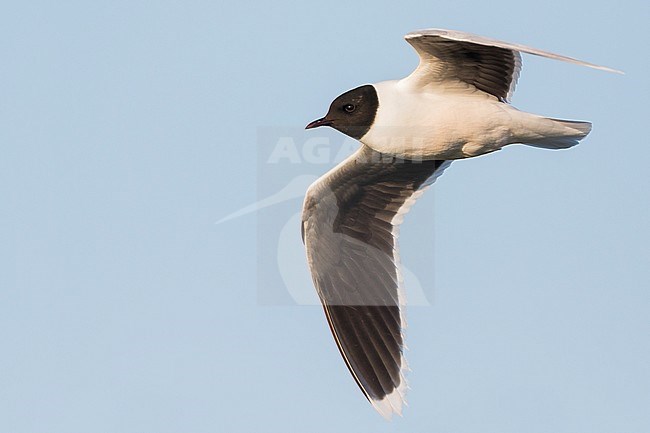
[[455, 105], [438, 123], [434, 124]]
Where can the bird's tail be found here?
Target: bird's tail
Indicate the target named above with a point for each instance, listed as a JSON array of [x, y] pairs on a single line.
[[560, 134]]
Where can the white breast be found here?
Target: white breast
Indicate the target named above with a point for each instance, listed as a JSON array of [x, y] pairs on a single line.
[[435, 124]]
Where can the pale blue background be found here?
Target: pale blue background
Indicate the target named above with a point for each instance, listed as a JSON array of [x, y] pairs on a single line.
[[128, 128]]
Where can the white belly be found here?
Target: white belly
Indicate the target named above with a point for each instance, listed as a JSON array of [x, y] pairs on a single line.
[[437, 125]]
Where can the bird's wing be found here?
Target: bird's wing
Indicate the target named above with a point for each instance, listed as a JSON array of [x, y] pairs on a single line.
[[449, 57], [349, 226]]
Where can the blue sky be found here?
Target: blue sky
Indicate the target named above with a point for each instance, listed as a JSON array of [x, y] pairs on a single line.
[[129, 128]]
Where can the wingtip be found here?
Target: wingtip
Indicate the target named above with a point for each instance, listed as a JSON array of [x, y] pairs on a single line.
[[392, 403], [601, 68], [387, 407], [616, 71]]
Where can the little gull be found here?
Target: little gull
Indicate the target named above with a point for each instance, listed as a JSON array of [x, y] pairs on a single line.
[[454, 105]]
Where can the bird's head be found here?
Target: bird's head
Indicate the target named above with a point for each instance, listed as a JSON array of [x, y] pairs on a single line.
[[352, 113]]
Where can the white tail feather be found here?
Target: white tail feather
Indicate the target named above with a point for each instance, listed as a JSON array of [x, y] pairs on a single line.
[[570, 133]]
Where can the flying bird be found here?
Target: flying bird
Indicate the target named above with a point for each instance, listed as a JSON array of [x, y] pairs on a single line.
[[454, 105]]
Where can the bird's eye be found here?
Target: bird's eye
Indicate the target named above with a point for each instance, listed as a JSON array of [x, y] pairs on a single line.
[[349, 108]]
